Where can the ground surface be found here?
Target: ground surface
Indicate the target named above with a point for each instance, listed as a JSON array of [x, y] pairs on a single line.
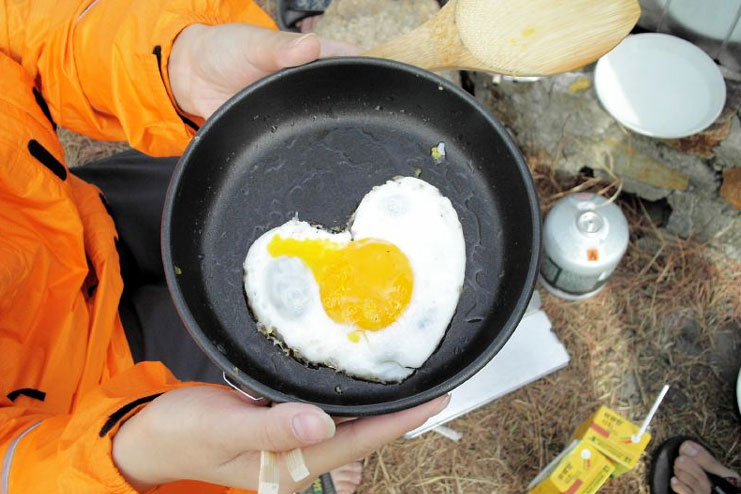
[[671, 314]]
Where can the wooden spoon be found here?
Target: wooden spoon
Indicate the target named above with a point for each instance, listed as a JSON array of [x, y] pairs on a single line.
[[517, 37]]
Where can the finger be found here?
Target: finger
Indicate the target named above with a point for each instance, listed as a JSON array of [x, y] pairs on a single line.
[[333, 48], [679, 487], [273, 50], [280, 428], [687, 464], [360, 437], [352, 440], [704, 459]]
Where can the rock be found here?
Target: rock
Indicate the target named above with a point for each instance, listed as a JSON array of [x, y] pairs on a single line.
[[367, 24], [731, 189], [728, 153], [728, 349], [641, 174], [546, 115], [561, 117], [689, 339], [707, 217], [703, 143]]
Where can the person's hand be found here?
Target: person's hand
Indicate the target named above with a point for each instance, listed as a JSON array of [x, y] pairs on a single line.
[[211, 434], [208, 64]]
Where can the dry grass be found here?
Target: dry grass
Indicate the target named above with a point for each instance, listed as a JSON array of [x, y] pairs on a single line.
[[670, 314], [79, 149]]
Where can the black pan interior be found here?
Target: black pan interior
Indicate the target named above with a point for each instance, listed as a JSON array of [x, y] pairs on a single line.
[[314, 140]]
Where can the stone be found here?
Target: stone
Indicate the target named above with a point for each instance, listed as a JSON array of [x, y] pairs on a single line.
[[555, 115], [560, 117], [728, 349], [367, 24], [728, 153], [708, 218], [630, 164], [731, 188], [704, 143]]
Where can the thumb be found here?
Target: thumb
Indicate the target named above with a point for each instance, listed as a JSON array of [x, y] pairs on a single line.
[[284, 427], [274, 50]]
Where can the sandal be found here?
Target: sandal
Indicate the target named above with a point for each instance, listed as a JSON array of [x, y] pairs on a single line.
[[322, 485], [292, 11], [662, 469]]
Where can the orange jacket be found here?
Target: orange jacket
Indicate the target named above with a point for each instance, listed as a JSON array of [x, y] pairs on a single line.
[[67, 378]]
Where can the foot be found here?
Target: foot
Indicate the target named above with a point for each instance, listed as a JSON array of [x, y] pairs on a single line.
[[690, 470], [346, 479]]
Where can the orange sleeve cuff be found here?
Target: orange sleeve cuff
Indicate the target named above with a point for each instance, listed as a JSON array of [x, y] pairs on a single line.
[[105, 74], [73, 453], [249, 13]]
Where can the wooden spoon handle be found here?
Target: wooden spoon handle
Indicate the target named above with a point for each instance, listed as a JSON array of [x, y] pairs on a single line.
[[435, 45]]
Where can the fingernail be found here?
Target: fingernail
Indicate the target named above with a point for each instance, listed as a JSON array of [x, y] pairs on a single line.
[[674, 480], [443, 405], [298, 40], [682, 460], [690, 449], [313, 427]]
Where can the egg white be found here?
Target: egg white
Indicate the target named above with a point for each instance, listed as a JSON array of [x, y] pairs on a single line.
[[422, 223]]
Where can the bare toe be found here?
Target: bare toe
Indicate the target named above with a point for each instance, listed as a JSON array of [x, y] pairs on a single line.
[[345, 487], [705, 460], [687, 465], [694, 484], [347, 477], [679, 487]]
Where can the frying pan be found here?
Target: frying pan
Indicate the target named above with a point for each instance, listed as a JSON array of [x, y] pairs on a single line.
[[314, 140]]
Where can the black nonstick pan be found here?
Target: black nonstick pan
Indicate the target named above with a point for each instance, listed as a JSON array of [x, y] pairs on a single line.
[[315, 140]]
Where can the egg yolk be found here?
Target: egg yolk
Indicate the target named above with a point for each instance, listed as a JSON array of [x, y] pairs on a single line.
[[367, 283]]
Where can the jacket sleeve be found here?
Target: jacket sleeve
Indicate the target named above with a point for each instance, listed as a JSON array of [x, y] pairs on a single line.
[[71, 453], [102, 64], [56, 433]]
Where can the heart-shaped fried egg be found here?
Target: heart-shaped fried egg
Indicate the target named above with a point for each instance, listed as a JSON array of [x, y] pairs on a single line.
[[373, 301]]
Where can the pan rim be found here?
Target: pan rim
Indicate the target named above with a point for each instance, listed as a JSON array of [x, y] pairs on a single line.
[[428, 394]]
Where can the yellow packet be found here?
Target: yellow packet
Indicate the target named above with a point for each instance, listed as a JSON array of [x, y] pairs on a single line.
[[612, 434], [579, 469]]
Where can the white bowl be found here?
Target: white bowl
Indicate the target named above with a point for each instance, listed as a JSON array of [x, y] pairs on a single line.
[[711, 19], [660, 86]]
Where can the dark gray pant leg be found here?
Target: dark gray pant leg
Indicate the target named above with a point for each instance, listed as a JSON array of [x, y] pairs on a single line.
[[134, 186]]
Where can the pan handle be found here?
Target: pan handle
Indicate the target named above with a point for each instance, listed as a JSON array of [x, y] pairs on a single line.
[[240, 389]]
